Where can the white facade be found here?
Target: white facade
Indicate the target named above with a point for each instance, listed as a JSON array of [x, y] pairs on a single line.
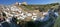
[[14, 8], [9, 19], [34, 14], [45, 13], [34, 17], [21, 18], [19, 11], [29, 14]]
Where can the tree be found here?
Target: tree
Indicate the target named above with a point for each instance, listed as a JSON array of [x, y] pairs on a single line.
[[57, 22]]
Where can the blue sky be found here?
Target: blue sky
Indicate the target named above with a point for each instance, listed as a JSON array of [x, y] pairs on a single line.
[[29, 1]]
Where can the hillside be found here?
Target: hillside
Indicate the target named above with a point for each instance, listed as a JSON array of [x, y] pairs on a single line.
[[39, 7], [29, 15]]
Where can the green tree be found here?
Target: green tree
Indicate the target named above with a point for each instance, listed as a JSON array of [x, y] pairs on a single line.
[[57, 22]]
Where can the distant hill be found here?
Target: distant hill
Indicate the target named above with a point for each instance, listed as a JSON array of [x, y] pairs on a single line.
[[39, 7]]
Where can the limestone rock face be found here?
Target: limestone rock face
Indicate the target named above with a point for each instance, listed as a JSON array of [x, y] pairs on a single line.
[[24, 3]]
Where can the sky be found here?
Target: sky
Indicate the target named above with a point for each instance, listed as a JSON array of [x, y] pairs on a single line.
[[6, 2]]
